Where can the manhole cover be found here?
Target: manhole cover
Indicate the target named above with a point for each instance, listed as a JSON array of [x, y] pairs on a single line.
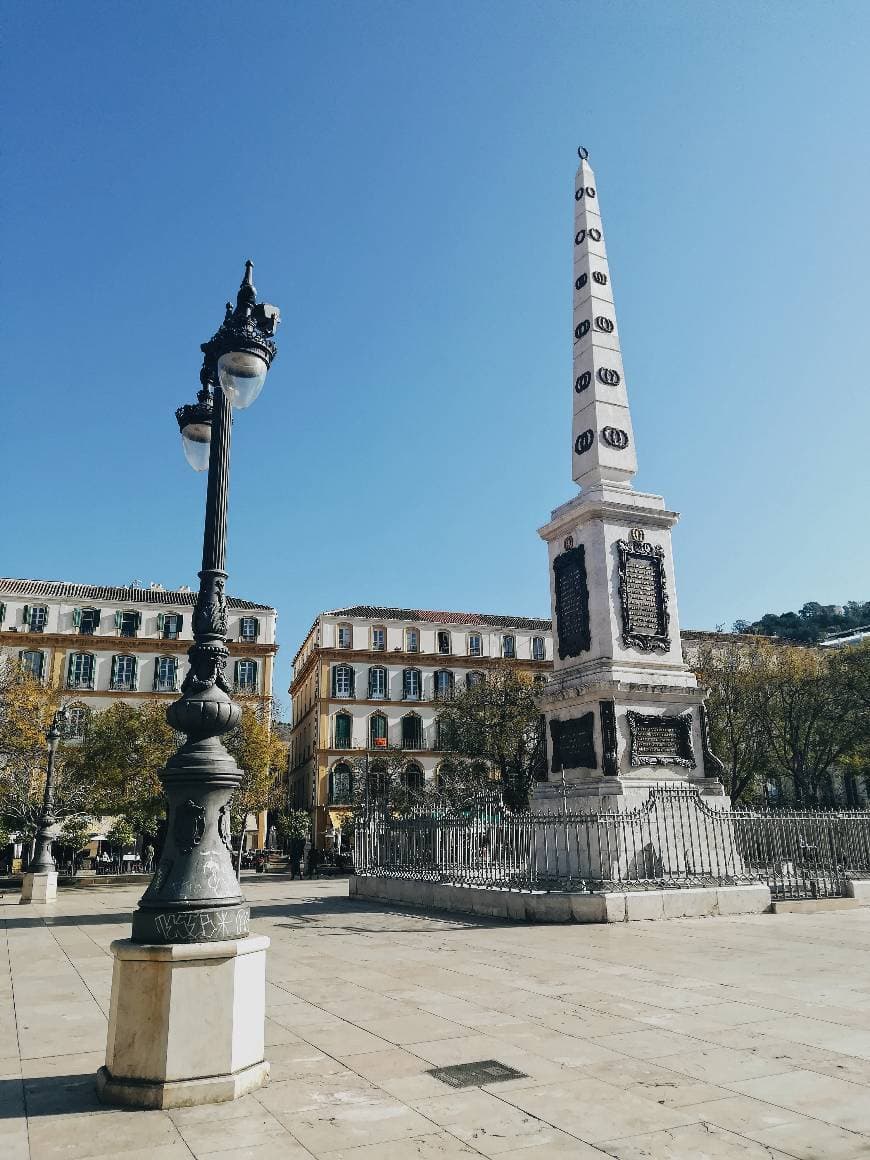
[[475, 1074]]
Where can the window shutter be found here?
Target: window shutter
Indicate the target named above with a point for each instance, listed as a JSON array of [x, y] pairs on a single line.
[[179, 622], [138, 620], [352, 681], [256, 626], [26, 613], [69, 668], [236, 673], [334, 679], [77, 618], [114, 670], [98, 612], [135, 675], [161, 621], [156, 673], [119, 616], [2, 611]]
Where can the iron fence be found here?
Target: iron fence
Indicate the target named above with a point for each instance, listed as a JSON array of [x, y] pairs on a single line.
[[674, 839]]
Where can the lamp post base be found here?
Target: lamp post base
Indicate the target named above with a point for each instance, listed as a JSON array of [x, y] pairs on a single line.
[[39, 887], [186, 1023]]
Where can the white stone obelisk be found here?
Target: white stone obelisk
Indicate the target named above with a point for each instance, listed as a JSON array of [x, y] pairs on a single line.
[[624, 713]]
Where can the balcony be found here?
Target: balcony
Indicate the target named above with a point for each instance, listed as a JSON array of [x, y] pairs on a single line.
[[166, 686], [122, 685], [80, 683]]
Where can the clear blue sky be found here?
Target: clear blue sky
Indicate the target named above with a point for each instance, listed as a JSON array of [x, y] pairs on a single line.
[[402, 175]]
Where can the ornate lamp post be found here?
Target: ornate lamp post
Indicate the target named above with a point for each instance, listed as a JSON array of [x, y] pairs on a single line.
[[193, 914], [40, 881]]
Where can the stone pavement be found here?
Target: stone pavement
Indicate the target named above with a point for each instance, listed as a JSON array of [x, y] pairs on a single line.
[[691, 1039]]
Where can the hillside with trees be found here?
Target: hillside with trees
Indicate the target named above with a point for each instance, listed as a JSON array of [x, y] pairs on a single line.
[[811, 623]]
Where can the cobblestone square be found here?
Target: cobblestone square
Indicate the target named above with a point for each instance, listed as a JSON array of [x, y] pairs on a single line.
[[695, 1038]]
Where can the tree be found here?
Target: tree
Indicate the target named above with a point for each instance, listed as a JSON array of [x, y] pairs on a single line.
[[495, 725], [76, 835], [739, 677], [121, 755], [261, 756], [813, 717], [810, 623], [26, 709]]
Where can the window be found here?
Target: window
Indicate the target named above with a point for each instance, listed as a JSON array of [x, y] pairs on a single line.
[[35, 617], [412, 685], [123, 673], [442, 641], [475, 644], [249, 628], [412, 640], [378, 781], [86, 620], [80, 674], [345, 636], [473, 678], [439, 734], [246, 676], [413, 777], [412, 731], [443, 685], [76, 721], [342, 731], [538, 650], [166, 674], [343, 681], [170, 624], [128, 623], [379, 639], [341, 784], [377, 683], [508, 646], [33, 662], [378, 731]]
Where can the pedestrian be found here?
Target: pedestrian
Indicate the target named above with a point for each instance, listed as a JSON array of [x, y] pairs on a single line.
[[149, 858]]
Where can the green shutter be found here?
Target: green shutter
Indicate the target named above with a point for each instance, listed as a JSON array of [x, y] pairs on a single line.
[[98, 612], [138, 620], [156, 674], [69, 669], [179, 622], [256, 627], [236, 674], [161, 621], [114, 672], [77, 618], [2, 611], [27, 614], [135, 684], [119, 616]]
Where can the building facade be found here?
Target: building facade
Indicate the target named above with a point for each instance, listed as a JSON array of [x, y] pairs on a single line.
[[368, 679], [104, 644]]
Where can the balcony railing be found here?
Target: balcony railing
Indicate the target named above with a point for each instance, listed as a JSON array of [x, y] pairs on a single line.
[[122, 685], [80, 682]]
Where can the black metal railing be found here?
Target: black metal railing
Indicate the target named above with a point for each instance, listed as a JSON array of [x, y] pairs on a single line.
[[675, 839]]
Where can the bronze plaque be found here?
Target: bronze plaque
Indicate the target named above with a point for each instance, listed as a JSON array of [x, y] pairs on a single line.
[[572, 602], [643, 597], [660, 740]]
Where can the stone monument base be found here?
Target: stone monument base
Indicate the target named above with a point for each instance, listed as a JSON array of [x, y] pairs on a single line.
[[565, 907], [186, 1023], [41, 887]]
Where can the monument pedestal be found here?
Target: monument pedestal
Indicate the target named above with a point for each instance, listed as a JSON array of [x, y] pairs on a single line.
[[186, 1023], [40, 887]]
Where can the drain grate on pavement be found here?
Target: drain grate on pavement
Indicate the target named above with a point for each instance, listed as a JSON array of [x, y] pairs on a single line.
[[461, 1075]]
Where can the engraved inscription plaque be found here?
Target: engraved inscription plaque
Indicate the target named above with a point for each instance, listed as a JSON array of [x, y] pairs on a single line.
[[572, 743], [662, 740], [643, 596], [572, 602]]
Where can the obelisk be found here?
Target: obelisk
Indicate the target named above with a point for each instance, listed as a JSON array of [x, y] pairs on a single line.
[[623, 711]]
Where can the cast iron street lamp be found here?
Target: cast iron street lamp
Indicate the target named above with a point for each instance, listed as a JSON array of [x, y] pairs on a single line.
[[42, 861], [194, 896]]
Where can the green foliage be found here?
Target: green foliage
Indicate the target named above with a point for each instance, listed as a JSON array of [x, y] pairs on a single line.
[[121, 756], [293, 824], [811, 623], [792, 713], [76, 833], [495, 727], [261, 756], [121, 835]]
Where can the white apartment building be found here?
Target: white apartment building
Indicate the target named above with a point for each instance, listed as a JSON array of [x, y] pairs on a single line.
[[367, 678], [101, 644]]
